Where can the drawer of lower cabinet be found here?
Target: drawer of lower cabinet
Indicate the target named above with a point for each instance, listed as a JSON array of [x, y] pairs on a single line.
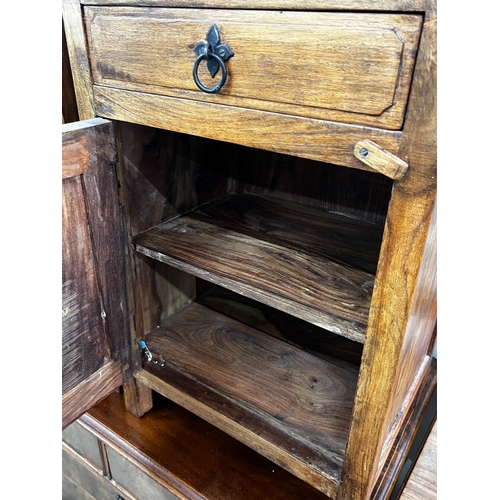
[[129, 477], [336, 66]]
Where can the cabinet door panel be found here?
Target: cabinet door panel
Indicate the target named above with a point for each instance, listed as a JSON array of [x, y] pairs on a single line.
[[94, 312]]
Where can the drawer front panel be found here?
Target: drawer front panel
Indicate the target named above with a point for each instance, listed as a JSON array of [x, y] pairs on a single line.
[[348, 67]]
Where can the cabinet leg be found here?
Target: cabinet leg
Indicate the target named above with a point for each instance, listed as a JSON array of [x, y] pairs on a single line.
[[138, 397]]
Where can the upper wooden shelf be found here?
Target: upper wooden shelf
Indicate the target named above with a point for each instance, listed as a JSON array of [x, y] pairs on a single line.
[[314, 265]]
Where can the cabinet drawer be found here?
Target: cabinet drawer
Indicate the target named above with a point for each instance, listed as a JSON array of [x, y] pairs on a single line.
[[346, 67]]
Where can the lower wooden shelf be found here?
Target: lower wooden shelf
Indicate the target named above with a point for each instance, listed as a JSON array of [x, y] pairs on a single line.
[[287, 404]]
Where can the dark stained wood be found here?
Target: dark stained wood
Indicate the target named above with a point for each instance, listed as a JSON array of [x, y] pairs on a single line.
[[138, 397], [69, 106], [108, 237], [95, 346], [191, 457], [162, 175], [326, 141], [345, 191], [284, 255], [84, 341], [291, 406], [366, 82], [311, 338], [90, 391]]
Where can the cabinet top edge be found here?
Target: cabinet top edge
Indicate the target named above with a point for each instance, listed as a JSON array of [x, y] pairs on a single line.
[[318, 5]]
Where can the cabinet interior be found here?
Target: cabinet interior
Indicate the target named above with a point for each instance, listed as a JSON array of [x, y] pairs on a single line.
[[252, 278]]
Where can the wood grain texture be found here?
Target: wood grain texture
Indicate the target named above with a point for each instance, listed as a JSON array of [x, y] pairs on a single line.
[[75, 156], [422, 484], [108, 237], [191, 457], [162, 175], [400, 291], [388, 474], [315, 340], [69, 106], [289, 405], [326, 141], [361, 74], [77, 52], [85, 344], [380, 160], [366, 5], [262, 249], [90, 391], [95, 314], [138, 397]]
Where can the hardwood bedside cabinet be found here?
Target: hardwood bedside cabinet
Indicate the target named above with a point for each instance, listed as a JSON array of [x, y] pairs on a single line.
[[250, 224]]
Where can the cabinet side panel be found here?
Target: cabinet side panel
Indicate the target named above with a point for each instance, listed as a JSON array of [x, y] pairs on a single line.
[[414, 360], [400, 297]]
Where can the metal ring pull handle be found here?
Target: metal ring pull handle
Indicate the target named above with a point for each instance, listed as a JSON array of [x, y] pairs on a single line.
[[215, 54], [200, 85]]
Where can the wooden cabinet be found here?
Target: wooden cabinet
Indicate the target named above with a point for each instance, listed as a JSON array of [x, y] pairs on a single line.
[[269, 260]]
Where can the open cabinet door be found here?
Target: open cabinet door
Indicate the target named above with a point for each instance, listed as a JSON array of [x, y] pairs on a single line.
[[95, 329]]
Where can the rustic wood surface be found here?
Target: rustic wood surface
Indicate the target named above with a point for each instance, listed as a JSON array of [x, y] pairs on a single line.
[[422, 484], [313, 339], [366, 5], [162, 175], [84, 340], [292, 406], [95, 314], [138, 397], [75, 155], [400, 328], [402, 442], [189, 456], [69, 106], [361, 74], [258, 247], [106, 215], [156, 180], [77, 52], [90, 391], [395, 347], [380, 160], [326, 141]]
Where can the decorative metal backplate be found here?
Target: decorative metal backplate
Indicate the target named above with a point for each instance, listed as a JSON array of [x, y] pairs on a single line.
[[215, 54]]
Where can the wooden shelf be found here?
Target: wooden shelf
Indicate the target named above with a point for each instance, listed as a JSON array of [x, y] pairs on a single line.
[[312, 264], [289, 405]]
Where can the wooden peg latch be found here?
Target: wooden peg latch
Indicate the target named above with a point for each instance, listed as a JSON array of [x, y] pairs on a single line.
[[379, 159]]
